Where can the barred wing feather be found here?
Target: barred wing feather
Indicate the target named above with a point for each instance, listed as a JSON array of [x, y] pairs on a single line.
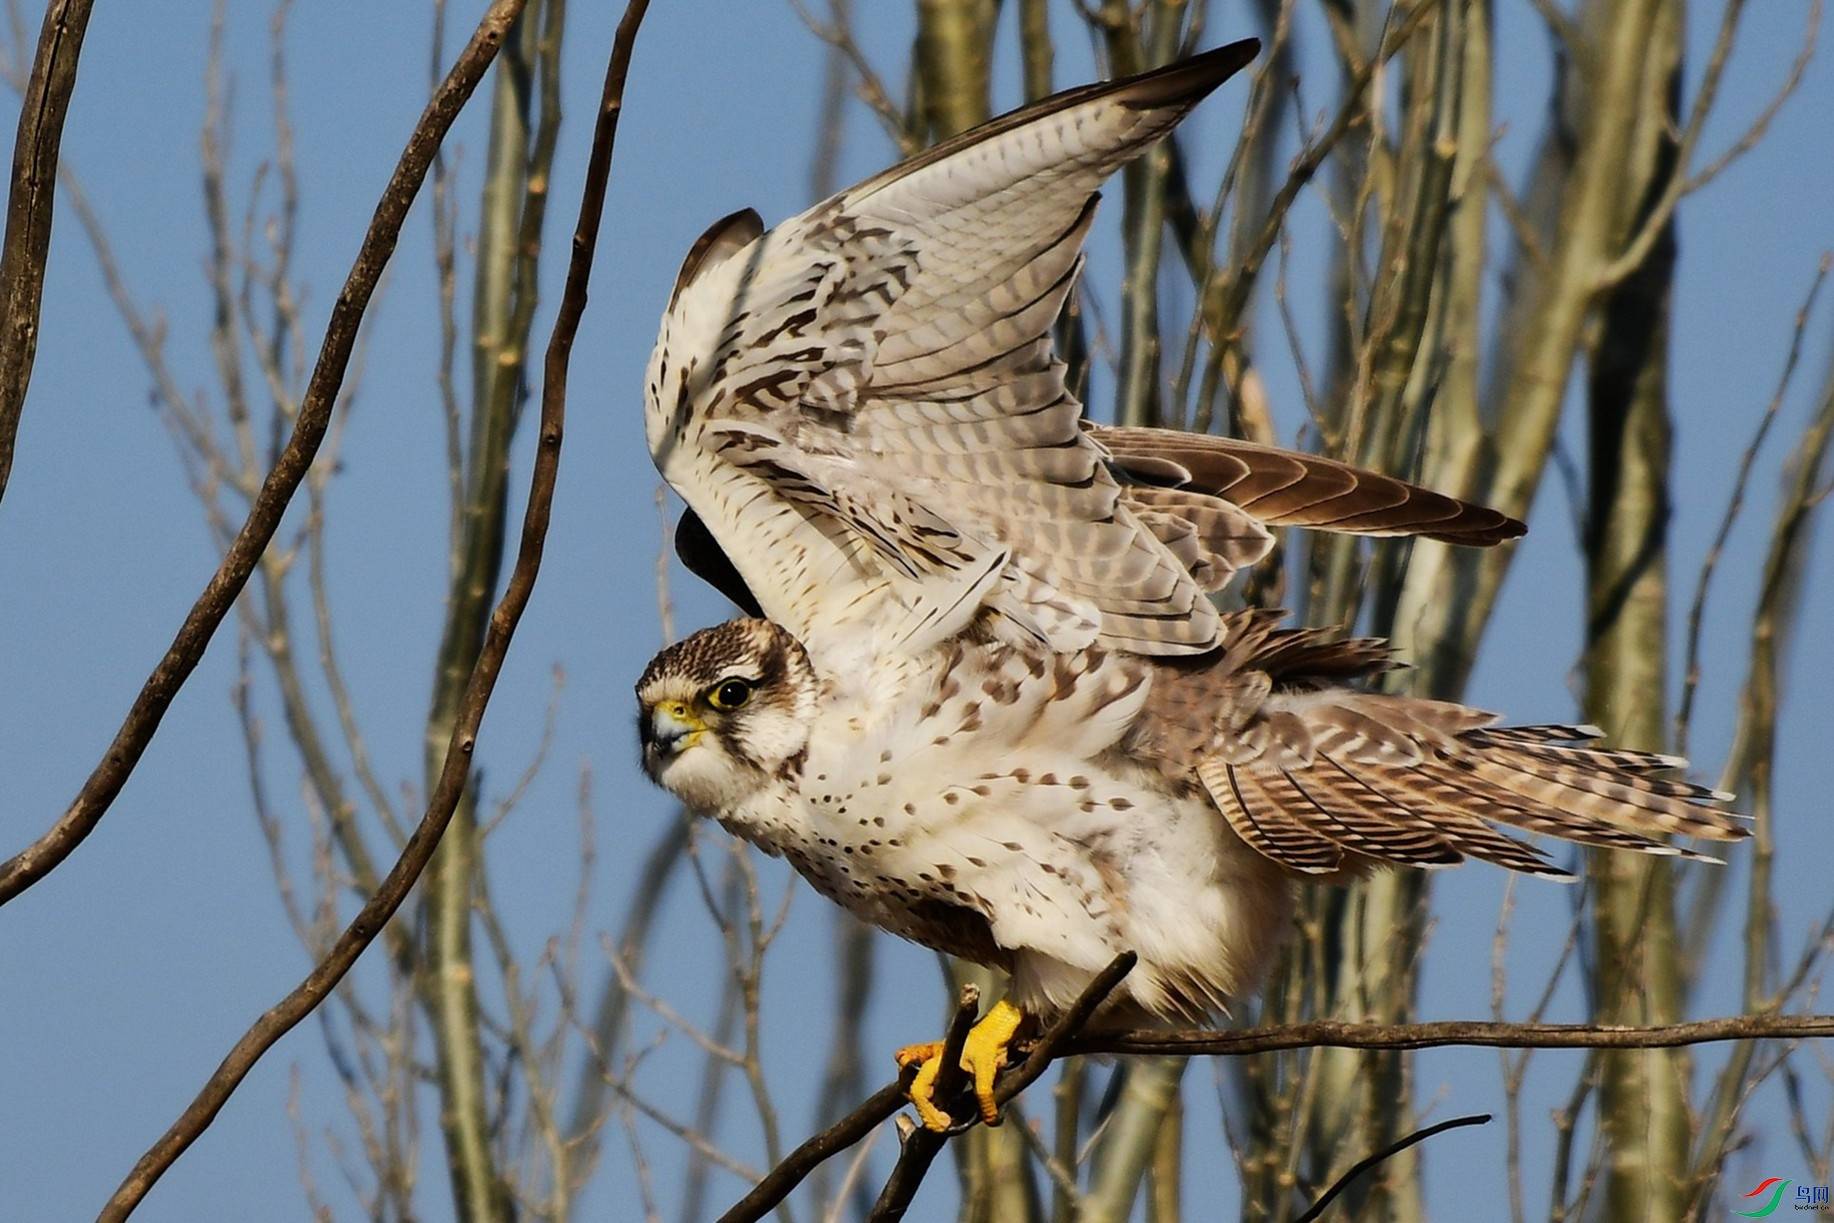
[[897, 337]]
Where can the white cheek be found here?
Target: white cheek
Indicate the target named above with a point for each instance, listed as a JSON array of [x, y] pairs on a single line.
[[772, 737]]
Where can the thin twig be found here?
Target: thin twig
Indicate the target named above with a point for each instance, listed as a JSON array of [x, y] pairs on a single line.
[[1690, 683], [1751, 769], [1395, 1148], [838, 34], [850, 1180], [444, 799], [607, 1027], [283, 479], [1650, 228], [620, 1084], [1223, 303], [1755, 130]]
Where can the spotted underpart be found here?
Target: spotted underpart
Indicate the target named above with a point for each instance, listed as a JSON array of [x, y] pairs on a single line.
[[1042, 812], [975, 801]]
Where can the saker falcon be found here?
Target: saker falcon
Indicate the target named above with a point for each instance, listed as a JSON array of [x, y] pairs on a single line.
[[982, 700]]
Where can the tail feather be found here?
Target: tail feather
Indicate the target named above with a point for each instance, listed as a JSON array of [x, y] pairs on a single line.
[[1264, 824], [1546, 732], [1509, 807], [1309, 656], [1603, 759], [1626, 801], [1326, 808], [1324, 778], [1389, 791]]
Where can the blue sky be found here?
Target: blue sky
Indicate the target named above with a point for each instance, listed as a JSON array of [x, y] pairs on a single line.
[[127, 974]]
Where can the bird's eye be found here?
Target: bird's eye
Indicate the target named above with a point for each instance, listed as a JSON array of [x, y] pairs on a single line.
[[730, 694]]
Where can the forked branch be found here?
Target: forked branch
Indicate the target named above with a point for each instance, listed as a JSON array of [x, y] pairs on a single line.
[[883, 1103], [922, 1146]]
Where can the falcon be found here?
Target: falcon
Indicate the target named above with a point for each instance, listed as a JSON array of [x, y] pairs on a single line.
[[981, 698]]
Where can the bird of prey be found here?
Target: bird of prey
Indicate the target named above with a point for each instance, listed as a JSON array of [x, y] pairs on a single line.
[[981, 698]]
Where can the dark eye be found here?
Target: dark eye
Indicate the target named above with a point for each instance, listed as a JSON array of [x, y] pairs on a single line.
[[730, 694]]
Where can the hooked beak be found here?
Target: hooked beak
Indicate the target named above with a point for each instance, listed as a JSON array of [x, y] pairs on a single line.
[[673, 727]]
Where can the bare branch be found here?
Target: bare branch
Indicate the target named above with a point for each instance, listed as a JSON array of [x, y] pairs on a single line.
[[444, 799], [889, 1099], [1697, 609], [1754, 131], [508, 249], [1225, 302], [283, 479], [1681, 181], [1332, 1034], [29, 211], [608, 1022], [1750, 767], [922, 1146], [1060, 1042], [838, 34], [1559, 24], [1395, 1148]]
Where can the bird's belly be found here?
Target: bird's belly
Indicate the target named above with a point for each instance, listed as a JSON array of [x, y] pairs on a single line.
[[1047, 857], [991, 826]]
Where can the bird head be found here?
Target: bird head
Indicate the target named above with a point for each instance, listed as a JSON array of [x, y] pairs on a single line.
[[724, 711]]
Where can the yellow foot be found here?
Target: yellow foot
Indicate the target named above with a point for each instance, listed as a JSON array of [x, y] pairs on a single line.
[[984, 1054]]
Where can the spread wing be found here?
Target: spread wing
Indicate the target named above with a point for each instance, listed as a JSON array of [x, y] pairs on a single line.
[[865, 414], [1322, 778], [864, 408]]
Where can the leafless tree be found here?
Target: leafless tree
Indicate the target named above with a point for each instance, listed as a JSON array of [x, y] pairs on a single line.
[[527, 1067]]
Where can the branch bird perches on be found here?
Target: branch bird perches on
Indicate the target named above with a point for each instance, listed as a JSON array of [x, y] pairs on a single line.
[[1065, 1039]]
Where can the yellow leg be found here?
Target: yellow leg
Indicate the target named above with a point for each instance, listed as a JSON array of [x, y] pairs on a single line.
[[984, 1054]]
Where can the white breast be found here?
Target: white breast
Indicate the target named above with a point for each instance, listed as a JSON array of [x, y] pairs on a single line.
[[983, 781]]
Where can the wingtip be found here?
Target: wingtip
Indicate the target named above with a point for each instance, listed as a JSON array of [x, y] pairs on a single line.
[[1189, 79], [1486, 528], [730, 233], [1239, 53]]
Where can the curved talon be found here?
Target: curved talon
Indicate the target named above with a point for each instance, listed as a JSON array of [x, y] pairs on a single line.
[[984, 1055], [927, 1057]]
